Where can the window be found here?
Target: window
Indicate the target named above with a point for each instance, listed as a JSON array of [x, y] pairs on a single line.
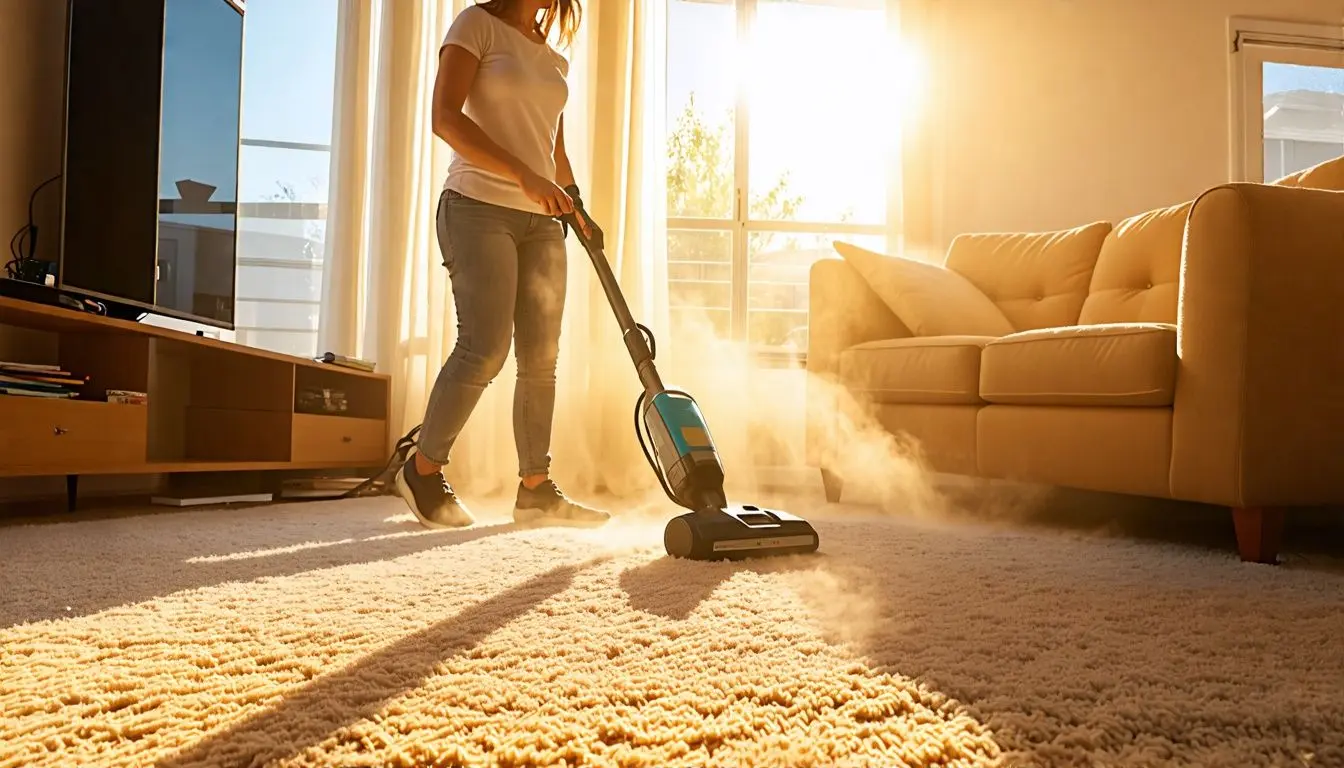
[[782, 137], [289, 71], [1288, 99]]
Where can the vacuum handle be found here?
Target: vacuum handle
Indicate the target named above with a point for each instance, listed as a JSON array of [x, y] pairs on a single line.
[[571, 220]]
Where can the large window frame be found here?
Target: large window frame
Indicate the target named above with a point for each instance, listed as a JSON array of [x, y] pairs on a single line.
[[741, 225], [1255, 43]]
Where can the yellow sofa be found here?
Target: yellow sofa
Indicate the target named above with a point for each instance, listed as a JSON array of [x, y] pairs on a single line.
[[1194, 352]]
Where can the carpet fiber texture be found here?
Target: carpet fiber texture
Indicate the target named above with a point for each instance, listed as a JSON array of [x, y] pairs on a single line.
[[340, 633]]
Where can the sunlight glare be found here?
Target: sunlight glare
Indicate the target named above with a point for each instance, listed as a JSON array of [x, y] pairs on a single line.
[[829, 90]]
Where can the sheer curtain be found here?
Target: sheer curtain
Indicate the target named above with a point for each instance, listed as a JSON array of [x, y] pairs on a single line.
[[918, 26], [386, 295]]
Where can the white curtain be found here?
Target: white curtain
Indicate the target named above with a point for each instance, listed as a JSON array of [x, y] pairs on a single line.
[[386, 295]]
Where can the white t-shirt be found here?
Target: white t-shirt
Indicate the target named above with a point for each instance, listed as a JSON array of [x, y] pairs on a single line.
[[517, 98]]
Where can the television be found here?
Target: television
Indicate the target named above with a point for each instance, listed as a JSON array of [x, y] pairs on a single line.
[[153, 114]]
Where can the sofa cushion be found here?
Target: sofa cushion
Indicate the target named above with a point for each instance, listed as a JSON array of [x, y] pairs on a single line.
[[931, 300], [1130, 364], [1328, 175], [1040, 279], [938, 370], [1138, 274]]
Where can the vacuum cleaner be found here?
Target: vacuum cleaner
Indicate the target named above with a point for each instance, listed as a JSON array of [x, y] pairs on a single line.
[[677, 444]]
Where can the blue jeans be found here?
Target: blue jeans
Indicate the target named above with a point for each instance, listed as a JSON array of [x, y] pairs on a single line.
[[507, 269]]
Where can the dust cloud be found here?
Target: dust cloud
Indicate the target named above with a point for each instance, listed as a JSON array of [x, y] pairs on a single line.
[[757, 414]]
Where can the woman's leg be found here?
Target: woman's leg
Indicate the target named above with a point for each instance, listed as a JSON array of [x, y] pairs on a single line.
[[478, 245], [538, 315]]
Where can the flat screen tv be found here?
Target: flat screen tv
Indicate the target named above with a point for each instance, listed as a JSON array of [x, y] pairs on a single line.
[[150, 177]]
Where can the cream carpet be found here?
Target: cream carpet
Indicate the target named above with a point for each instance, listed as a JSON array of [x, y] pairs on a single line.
[[339, 633]]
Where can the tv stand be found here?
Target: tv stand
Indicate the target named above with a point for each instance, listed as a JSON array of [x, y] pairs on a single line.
[[211, 406]]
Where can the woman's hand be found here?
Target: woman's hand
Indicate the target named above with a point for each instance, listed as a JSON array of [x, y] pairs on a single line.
[[547, 194], [554, 200]]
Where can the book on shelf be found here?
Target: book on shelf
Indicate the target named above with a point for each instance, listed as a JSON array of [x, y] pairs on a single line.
[[38, 380], [126, 397], [31, 367], [19, 392]]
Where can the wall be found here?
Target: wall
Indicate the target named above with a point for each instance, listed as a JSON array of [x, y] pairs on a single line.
[[32, 55], [1056, 113]]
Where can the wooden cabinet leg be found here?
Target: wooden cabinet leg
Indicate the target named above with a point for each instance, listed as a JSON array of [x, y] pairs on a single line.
[[71, 492], [1259, 533], [832, 483]]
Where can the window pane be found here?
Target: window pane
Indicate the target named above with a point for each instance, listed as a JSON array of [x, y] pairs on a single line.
[[289, 52], [279, 239], [701, 94], [777, 283], [277, 315], [821, 130], [279, 283], [1304, 117], [289, 74], [700, 273], [276, 174]]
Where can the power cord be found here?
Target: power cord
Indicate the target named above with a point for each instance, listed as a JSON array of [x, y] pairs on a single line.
[[641, 429], [399, 456], [23, 245]]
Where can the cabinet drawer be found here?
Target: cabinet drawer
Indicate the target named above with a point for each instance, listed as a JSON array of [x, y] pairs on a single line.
[[338, 439], [41, 434]]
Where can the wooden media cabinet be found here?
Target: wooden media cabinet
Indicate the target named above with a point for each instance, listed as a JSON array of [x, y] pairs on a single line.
[[211, 405]]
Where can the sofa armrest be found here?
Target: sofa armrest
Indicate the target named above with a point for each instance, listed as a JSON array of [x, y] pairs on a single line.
[[1259, 402], [842, 311]]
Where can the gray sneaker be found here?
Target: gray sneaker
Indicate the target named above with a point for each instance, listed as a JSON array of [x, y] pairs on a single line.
[[547, 505], [431, 498]]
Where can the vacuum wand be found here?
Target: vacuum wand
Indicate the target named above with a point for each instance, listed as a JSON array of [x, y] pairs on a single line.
[[634, 334]]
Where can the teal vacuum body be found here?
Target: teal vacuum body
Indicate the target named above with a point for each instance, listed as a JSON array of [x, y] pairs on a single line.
[[680, 449]]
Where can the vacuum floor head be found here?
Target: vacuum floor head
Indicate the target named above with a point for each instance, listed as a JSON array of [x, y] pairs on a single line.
[[738, 532]]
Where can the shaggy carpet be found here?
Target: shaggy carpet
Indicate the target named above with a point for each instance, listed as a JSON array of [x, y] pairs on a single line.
[[340, 633]]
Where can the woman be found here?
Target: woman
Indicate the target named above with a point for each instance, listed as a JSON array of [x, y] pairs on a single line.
[[499, 99]]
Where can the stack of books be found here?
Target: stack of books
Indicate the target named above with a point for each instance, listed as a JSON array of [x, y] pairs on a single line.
[[30, 380]]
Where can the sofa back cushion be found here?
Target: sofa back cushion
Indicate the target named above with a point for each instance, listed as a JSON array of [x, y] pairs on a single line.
[[930, 299], [1328, 175], [1138, 274], [1039, 279]]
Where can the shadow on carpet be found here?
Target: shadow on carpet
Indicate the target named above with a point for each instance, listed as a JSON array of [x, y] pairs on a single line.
[[109, 563], [339, 698]]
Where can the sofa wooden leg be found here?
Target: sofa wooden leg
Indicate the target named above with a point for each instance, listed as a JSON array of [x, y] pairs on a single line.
[[1259, 533], [833, 485]]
